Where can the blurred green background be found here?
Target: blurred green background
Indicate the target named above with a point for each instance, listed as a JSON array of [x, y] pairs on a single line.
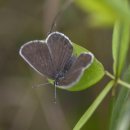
[[25, 108]]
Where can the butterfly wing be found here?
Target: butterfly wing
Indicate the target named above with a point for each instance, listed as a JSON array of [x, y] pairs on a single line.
[[37, 55], [76, 70], [60, 48]]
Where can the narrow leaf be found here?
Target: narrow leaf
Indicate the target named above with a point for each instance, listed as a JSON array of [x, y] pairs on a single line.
[[94, 106], [119, 103], [120, 45], [124, 118]]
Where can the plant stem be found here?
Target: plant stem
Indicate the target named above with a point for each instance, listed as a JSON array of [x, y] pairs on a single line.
[[109, 75], [119, 81], [86, 116]]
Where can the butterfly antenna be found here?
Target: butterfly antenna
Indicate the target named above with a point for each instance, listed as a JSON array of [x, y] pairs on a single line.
[[60, 12], [40, 85]]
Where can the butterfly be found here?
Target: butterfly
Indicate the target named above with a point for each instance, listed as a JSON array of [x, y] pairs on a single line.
[[54, 58]]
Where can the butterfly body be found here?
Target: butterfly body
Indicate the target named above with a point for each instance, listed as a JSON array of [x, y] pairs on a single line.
[[54, 59]]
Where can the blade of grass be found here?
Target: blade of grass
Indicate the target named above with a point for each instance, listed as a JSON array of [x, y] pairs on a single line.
[[120, 45], [124, 118], [121, 99], [120, 48], [94, 106]]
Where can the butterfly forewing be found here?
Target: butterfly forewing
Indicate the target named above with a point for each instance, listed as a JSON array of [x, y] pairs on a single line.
[[76, 70], [37, 55], [60, 48]]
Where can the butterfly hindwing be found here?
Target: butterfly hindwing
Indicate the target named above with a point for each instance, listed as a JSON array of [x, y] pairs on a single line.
[[75, 72]]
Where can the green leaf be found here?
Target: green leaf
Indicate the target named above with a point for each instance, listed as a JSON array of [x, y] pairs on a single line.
[[120, 45], [91, 75], [104, 12], [124, 118], [122, 98], [94, 106]]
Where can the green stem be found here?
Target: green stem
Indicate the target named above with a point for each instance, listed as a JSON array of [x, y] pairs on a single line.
[[119, 81], [109, 75], [93, 106]]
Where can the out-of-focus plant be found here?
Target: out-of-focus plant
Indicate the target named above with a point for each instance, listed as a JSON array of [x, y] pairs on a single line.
[[105, 13]]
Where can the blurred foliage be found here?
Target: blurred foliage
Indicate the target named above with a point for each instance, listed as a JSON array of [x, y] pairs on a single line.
[[100, 11], [105, 12], [24, 108], [121, 106]]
